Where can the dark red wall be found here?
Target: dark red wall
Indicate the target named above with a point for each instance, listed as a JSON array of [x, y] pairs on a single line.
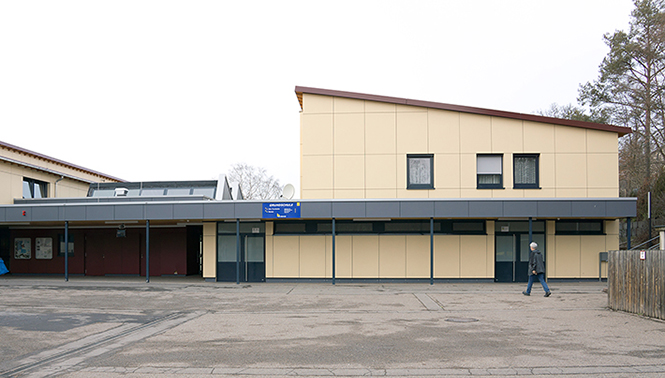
[[100, 252]]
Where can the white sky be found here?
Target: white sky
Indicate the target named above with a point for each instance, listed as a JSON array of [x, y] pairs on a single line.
[[180, 90]]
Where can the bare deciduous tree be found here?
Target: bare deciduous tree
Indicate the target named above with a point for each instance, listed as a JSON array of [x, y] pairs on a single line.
[[254, 181]]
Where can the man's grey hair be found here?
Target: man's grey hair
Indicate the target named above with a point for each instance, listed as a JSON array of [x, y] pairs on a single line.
[[533, 245]]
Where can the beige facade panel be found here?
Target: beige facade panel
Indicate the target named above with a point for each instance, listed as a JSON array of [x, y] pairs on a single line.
[[347, 105], [570, 140], [444, 131], [381, 172], [507, 135], [446, 256], [379, 107], [603, 171], [286, 256], [313, 256], [590, 248], [209, 250], [568, 255], [316, 193], [349, 193], [447, 173], [349, 172], [317, 172], [349, 134], [540, 137], [344, 256], [417, 256], [365, 256], [475, 134], [411, 133], [380, 133], [474, 256], [317, 104], [601, 142], [409, 109], [571, 171], [392, 256], [316, 135]]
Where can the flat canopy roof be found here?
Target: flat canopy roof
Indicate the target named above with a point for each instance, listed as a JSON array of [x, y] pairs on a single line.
[[29, 212]]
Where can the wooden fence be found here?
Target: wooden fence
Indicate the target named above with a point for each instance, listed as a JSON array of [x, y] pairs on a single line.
[[636, 282]]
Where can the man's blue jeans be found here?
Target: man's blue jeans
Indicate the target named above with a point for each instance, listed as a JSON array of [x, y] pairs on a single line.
[[541, 278]]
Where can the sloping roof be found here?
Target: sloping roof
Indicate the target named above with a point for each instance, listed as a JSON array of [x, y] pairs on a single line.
[[621, 130], [57, 161]]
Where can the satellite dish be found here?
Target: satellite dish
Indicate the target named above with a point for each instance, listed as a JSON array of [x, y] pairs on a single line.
[[288, 191]]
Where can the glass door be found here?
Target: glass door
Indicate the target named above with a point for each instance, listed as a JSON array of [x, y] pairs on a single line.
[[249, 265], [512, 256]]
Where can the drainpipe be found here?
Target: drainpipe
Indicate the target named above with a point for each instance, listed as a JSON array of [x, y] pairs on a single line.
[[55, 186]]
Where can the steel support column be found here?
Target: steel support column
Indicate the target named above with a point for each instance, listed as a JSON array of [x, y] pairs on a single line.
[[431, 251], [237, 251], [147, 251], [66, 251], [333, 251]]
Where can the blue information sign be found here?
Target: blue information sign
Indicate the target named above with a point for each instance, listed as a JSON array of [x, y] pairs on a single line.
[[281, 210]]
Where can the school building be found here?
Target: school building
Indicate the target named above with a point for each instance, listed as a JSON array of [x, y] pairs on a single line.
[[391, 189]]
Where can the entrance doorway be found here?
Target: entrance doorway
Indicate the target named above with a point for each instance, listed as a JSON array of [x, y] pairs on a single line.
[[512, 249], [249, 265]]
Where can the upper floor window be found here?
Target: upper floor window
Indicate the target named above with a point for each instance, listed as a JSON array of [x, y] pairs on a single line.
[[489, 169], [420, 171], [525, 171], [34, 188]]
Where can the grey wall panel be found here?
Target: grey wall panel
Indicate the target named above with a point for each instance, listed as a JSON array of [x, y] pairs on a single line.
[[621, 208], [188, 211], [481, 209], [3, 215], [588, 208], [413, 209], [159, 211], [315, 210], [130, 212], [74, 213], [348, 209], [451, 209], [15, 214], [382, 209], [224, 210], [554, 209], [45, 214], [249, 210], [99, 212], [520, 209]]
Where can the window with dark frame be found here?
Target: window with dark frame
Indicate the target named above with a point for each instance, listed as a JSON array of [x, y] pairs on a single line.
[[420, 171], [34, 188], [489, 169], [394, 227], [526, 171], [580, 227]]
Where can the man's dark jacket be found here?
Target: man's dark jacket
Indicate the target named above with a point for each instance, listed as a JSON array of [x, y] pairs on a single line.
[[536, 262]]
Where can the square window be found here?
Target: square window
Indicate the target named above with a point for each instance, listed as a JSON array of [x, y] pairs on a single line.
[[489, 169], [34, 188], [420, 171], [525, 171]]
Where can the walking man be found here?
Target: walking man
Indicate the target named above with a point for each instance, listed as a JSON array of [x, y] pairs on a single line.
[[536, 270]]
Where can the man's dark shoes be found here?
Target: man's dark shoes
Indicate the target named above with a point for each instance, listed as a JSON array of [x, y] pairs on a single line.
[[525, 293], [548, 294]]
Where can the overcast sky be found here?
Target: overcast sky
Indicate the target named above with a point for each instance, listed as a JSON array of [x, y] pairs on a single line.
[[180, 90]]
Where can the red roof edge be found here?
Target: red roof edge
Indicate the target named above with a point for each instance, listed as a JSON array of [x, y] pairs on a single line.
[[57, 161], [621, 130]]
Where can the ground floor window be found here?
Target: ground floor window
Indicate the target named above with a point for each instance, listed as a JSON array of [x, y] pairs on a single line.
[[399, 227]]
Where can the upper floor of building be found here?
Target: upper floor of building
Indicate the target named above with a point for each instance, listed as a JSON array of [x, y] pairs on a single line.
[[356, 145]]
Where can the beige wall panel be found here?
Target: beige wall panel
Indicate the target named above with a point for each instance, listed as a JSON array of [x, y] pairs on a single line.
[[547, 172], [569, 139], [468, 169], [550, 264], [443, 131], [349, 133], [447, 256], [445, 193], [538, 137], [316, 134], [507, 193], [349, 172], [5, 190], [447, 171], [507, 135], [286, 252], [209, 250], [365, 256], [473, 256], [612, 227], [489, 270], [270, 260], [328, 241], [567, 193], [313, 256], [413, 193], [571, 172], [380, 133], [343, 256], [381, 193], [349, 193], [475, 134], [592, 192], [400, 174], [602, 142], [317, 172], [316, 194], [392, 256], [603, 171], [417, 256], [317, 104], [411, 133], [379, 107], [476, 193], [409, 109], [567, 256], [591, 246], [539, 193], [381, 171], [348, 105]]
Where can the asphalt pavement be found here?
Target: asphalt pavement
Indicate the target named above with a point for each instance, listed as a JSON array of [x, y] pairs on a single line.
[[185, 327]]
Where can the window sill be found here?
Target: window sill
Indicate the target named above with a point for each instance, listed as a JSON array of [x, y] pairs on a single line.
[[526, 187], [490, 187]]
